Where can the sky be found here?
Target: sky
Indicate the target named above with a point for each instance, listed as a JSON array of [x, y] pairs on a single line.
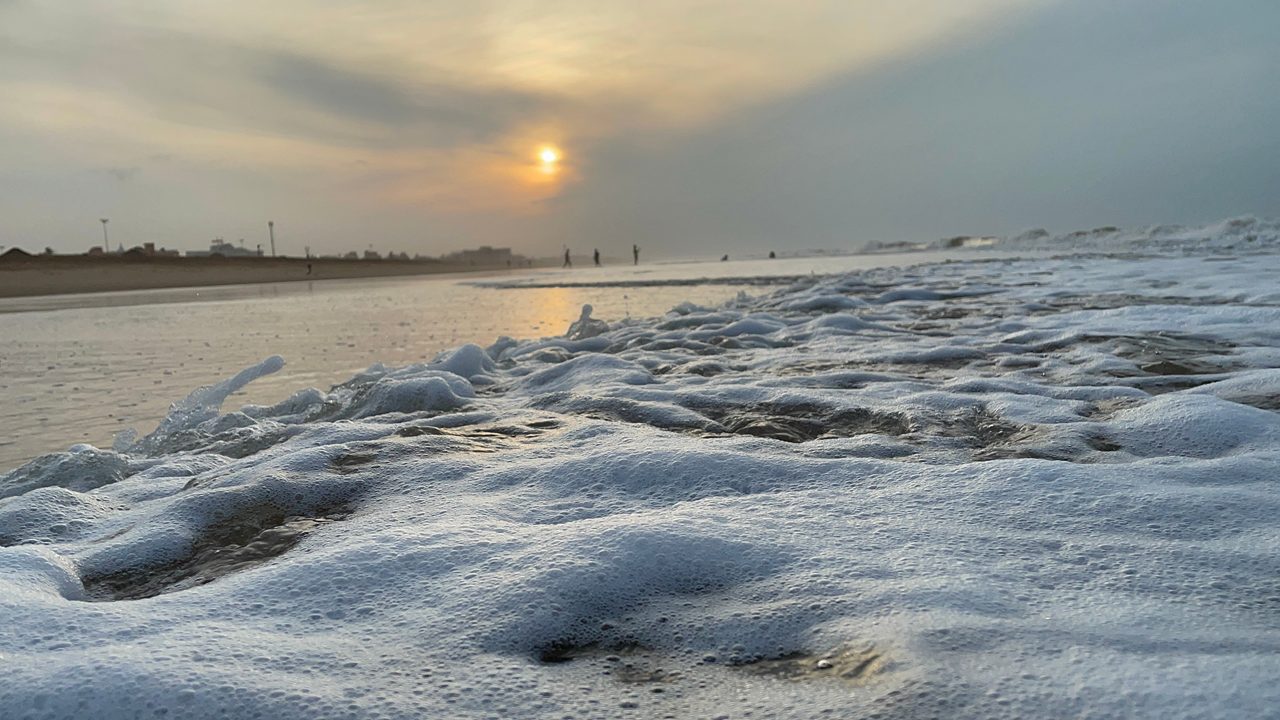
[[688, 127]]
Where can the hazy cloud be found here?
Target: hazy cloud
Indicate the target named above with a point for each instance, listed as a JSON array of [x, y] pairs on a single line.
[[739, 124], [227, 85], [1091, 113], [457, 114]]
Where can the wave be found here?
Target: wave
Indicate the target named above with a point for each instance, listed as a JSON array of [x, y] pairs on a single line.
[[976, 489], [1245, 233]]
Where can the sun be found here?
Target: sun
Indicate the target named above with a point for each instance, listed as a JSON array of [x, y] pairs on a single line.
[[548, 159]]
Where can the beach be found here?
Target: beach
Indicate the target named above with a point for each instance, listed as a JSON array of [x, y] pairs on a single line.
[[30, 275]]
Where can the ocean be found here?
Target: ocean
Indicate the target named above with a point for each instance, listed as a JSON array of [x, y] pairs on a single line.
[[998, 486], [80, 368]]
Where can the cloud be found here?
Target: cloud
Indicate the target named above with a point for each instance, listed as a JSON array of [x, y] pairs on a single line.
[[732, 124], [446, 74], [222, 85], [1066, 118], [454, 114]]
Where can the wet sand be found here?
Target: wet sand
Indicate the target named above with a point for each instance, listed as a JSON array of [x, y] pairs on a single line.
[[63, 274]]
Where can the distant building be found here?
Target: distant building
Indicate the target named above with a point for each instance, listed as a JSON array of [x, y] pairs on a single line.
[[14, 254], [372, 255], [483, 255], [220, 247], [149, 250], [353, 255]]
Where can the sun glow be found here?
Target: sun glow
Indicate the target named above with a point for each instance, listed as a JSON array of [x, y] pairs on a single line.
[[548, 159]]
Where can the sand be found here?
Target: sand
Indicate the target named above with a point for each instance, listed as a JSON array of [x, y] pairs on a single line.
[[62, 274]]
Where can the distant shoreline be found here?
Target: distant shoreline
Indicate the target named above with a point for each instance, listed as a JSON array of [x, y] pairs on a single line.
[[35, 275]]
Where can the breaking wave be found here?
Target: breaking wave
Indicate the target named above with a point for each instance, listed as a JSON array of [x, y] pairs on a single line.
[[979, 489]]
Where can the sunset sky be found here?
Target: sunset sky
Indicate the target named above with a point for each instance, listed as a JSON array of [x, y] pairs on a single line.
[[687, 127]]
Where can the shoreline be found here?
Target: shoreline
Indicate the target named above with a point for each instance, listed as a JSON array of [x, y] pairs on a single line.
[[39, 275]]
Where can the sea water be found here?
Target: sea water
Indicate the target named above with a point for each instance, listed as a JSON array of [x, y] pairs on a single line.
[[991, 488], [80, 368]]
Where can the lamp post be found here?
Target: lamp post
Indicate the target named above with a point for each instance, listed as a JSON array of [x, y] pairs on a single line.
[[271, 229], [106, 246]]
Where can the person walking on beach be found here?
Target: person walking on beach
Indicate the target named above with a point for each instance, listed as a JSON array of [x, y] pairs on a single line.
[[596, 256], [567, 261], [635, 254]]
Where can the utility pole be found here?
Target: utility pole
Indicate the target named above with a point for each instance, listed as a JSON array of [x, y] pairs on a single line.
[[271, 228], [106, 246]]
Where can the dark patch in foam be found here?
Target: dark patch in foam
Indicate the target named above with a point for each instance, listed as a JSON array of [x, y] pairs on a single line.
[[704, 368], [1172, 354], [997, 439], [981, 428], [563, 651], [694, 346], [1262, 402], [418, 431], [626, 410], [1106, 409], [959, 358], [1170, 367], [1023, 445], [627, 663], [483, 438], [1102, 444], [802, 422], [850, 664], [248, 539], [248, 444], [551, 355], [234, 443], [1173, 383], [488, 437], [1032, 444], [855, 374], [789, 422], [351, 462], [1120, 300]]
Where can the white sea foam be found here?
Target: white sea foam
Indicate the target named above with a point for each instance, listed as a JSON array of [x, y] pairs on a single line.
[[982, 489], [1240, 234]]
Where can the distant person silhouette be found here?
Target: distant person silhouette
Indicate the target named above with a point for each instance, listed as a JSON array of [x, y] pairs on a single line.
[[567, 261], [635, 253], [596, 257], [773, 255], [308, 268], [723, 259]]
